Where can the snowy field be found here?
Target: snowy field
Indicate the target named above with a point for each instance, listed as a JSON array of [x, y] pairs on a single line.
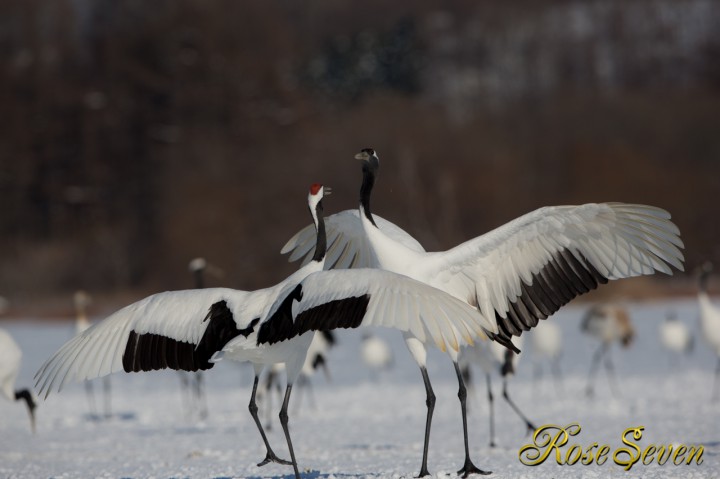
[[354, 426]]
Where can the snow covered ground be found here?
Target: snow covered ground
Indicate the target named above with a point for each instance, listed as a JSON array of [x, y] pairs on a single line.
[[354, 426]]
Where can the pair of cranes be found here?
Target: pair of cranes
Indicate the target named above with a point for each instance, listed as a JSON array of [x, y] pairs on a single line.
[[492, 287]]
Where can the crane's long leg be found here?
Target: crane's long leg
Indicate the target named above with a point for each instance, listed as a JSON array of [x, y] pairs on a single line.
[[90, 393], [284, 423], [199, 386], [517, 410], [430, 402], [108, 397], [468, 467], [612, 378], [589, 391], [490, 410], [270, 455], [555, 367]]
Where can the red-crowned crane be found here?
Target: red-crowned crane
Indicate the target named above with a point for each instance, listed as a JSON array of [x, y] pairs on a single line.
[[608, 323], [176, 330], [10, 356], [515, 275], [710, 321]]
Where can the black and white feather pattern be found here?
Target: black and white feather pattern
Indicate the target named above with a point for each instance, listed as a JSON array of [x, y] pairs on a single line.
[[527, 269]]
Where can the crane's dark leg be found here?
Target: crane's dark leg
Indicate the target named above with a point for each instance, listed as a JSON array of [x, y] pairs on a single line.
[[517, 410], [468, 467], [284, 423], [589, 390], [491, 412], [612, 378], [270, 455], [430, 402], [26, 396]]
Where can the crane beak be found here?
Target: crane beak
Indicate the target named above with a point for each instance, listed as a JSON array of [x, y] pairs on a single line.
[[361, 156], [327, 191]]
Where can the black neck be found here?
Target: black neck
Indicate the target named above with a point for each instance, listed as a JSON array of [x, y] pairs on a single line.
[[366, 189], [321, 245]]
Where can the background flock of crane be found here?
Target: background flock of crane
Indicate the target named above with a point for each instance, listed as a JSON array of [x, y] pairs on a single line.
[[98, 351]]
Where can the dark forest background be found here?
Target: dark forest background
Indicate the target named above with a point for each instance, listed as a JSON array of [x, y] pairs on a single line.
[[137, 135]]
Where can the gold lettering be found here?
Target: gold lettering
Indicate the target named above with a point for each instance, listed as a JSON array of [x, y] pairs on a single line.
[[588, 456], [679, 454], [647, 457], [692, 451], [544, 442], [662, 458], [569, 459], [601, 457], [631, 458]]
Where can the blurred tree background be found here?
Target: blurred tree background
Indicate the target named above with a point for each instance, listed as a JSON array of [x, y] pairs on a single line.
[[137, 135]]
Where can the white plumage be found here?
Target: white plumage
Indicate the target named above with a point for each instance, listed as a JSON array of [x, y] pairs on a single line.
[[675, 335], [174, 329], [10, 357], [546, 340], [376, 353], [709, 321], [516, 274]]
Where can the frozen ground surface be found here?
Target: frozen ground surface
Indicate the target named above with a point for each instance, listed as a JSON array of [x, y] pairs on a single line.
[[357, 427]]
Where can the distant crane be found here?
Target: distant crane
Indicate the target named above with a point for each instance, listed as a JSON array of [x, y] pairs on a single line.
[[709, 321], [81, 300], [10, 356], [607, 323], [675, 335], [376, 354], [494, 358], [546, 341]]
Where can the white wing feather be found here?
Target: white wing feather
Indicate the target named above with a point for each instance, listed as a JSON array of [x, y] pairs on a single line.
[[429, 313], [347, 244], [98, 350], [619, 240]]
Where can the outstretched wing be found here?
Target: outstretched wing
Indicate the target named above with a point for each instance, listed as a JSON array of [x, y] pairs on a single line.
[[348, 246], [527, 269], [352, 298], [175, 329]]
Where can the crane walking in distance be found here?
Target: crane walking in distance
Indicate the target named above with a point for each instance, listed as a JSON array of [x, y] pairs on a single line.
[[376, 354], [81, 300], [495, 358], [10, 356], [192, 329], [515, 275], [675, 336], [608, 323], [546, 341], [710, 322]]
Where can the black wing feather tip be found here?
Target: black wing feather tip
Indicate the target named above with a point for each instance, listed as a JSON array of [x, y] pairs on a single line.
[[341, 313], [562, 279], [149, 351]]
